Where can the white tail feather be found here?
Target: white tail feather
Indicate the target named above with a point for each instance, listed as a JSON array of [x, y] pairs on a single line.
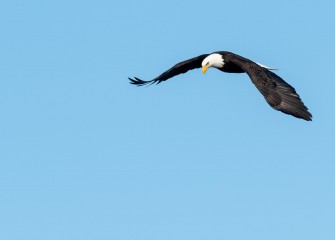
[[269, 68]]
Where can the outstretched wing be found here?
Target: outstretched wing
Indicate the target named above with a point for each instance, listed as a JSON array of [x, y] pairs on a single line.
[[279, 94], [177, 69]]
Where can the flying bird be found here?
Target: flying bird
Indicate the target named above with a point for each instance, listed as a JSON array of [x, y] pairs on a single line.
[[279, 94]]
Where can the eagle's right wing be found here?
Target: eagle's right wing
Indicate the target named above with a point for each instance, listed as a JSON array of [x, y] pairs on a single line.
[[177, 69]]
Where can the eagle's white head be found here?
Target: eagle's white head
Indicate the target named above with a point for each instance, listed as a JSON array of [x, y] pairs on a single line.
[[212, 60]]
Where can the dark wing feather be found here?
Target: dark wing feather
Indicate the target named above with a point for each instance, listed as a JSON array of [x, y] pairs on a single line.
[[177, 69], [278, 93]]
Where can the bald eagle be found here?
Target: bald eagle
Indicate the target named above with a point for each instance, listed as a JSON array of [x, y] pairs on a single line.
[[279, 94]]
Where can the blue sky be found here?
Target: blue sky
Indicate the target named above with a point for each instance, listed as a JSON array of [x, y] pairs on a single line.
[[86, 155]]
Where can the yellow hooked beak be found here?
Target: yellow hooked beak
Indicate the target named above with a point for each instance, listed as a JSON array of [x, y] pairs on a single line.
[[204, 68]]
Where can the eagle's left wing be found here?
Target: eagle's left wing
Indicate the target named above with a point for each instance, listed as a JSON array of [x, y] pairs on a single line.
[[279, 94]]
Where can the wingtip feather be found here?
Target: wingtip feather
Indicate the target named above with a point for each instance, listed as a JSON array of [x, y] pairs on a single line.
[[138, 82]]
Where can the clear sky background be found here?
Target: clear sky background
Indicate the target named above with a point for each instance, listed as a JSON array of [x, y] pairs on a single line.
[[86, 155]]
